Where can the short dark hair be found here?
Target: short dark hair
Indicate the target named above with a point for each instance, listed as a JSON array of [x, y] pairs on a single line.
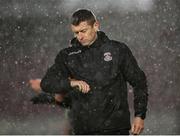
[[83, 15]]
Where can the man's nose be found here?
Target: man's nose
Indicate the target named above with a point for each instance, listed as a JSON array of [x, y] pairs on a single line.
[[80, 36]]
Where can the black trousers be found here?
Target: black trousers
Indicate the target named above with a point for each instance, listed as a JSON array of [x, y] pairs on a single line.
[[114, 132]]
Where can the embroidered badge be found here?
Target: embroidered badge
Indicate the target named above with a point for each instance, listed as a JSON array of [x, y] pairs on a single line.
[[107, 56], [75, 52]]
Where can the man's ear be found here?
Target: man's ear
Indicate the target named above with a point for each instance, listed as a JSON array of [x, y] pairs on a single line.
[[96, 26]]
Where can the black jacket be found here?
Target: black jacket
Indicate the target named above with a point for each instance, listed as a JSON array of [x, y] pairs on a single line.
[[106, 66]]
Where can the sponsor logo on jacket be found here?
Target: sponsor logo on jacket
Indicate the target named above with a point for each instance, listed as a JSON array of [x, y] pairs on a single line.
[[74, 52]]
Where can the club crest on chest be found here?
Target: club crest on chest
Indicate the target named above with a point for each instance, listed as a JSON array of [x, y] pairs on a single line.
[[107, 56]]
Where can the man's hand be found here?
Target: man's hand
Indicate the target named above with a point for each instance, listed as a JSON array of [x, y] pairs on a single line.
[[82, 85], [35, 85], [137, 126]]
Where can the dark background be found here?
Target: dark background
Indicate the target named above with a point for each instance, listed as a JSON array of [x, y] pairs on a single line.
[[33, 31]]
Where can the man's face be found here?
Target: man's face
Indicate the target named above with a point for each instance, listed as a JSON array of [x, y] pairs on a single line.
[[85, 33]]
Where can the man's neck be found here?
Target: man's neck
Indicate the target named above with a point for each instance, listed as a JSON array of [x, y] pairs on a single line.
[[93, 40]]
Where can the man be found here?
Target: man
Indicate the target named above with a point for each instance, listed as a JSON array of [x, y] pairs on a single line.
[[101, 69]]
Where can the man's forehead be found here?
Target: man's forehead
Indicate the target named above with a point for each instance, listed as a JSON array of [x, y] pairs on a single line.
[[81, 26]]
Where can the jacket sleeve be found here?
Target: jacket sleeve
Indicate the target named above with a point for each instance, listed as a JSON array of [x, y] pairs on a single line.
[[43, 98], [137, 79], [56, 78], [46, 98]]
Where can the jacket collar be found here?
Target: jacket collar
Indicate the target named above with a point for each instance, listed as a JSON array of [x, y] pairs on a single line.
[[101, 38]]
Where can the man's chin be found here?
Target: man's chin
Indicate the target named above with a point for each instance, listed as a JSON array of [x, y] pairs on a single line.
[[84, 44]]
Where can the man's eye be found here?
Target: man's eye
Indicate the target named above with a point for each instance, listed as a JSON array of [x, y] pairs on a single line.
[[83, 31]]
